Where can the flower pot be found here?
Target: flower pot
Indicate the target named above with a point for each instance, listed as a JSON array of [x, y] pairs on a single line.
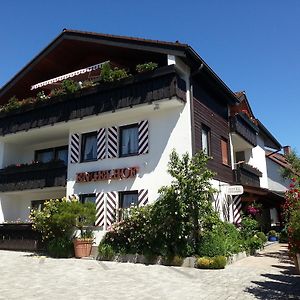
[[273, 238], [82, 248]]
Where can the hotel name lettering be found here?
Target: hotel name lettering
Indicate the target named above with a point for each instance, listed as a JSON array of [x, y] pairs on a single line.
[[107, 174]]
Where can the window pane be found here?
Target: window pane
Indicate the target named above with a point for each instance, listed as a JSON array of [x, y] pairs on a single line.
[[224, 150], [205, 141], [129, 141], [62, 154], [129, 200], [89, 147], [88, 198], [45, 156]]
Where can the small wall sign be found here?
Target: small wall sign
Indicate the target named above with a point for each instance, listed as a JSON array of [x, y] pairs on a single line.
[[235, 190], [113, 174]]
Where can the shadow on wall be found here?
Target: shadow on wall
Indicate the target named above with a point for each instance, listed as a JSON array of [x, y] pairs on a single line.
[[283, 286]]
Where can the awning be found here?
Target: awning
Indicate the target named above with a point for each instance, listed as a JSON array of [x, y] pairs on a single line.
[[68, 75]]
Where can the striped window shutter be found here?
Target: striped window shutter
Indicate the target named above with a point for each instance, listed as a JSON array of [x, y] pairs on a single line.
[[237, 209], [142, 197], [101, 143], [112, 142], [111, 207], [143, 137], [75, 148], [100, 209]]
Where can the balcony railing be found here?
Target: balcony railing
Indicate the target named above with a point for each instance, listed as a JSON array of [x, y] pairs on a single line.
[[19, 236], [247, 175], [162, 83], [34, 176], [243, 126]]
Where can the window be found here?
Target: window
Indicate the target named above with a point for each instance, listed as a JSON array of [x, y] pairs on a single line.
[[240, 156], [86, 198], [205, 140], [37, 204], [129, 140], [224, 151], [50, 154], [89, 147], [127, 200]]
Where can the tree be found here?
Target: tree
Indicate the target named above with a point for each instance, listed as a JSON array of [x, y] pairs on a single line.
[[193, 190]]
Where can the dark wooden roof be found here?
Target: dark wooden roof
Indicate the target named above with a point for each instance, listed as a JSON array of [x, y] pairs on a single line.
[[72, 50]]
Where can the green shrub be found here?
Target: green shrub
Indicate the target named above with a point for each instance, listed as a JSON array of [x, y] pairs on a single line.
[[272, 233], [70, 86], [249, 227], [262, 236], [60, 247], [146, 67], [109, 75], [212, 244], [173, 261], [254, 243], [40, 96], [13, 103], [217, 262], [283, 236], [106, 252]]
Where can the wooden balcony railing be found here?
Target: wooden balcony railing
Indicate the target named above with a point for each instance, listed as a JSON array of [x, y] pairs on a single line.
[[247, 175], [162, 83], [34, 176], [243, 126], [19, 236]]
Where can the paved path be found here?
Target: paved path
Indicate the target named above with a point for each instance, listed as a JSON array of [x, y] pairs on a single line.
[[266, 276]]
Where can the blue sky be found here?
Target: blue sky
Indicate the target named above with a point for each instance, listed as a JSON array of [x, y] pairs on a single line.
[[252, 45]]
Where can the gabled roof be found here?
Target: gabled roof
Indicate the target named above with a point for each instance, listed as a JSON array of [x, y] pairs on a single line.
[[243, 99], [279, 159], [73, 49]]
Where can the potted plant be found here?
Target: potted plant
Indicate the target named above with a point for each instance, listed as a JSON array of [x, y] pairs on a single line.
[[272, 236], [85, 217]]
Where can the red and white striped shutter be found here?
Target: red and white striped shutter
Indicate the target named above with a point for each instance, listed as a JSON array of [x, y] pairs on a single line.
[[112, 142], [101, 143], [142, 197], [111, 206], [237, 209], [143, 137], [75, 148], [100, 209]]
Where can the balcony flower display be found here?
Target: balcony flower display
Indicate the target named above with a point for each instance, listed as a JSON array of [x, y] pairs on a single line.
[[254, 209]]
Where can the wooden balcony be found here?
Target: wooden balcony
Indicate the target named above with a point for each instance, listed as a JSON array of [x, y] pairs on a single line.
[[246, 175], [162, 83], [34, 176], [19, 236], [243, 126]]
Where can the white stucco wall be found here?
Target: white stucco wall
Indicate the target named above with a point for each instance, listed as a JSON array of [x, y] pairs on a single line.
[[275, 181], [256, 157], [168, 129], [16, 206]]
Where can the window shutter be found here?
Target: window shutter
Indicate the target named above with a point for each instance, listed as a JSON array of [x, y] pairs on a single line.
[[143, 197], [101, 143], [111, 206], [143, 137], [112, 142], [75, 148], [100, 212], [237, 209]]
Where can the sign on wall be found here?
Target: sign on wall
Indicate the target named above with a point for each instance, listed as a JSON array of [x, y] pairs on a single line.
[[112, 174], [235, 190]]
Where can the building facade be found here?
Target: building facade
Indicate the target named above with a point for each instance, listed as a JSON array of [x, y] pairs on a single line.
[[110, 142]]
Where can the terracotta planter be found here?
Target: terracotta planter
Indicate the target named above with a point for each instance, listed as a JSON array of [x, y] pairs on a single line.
[[82, 248]]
